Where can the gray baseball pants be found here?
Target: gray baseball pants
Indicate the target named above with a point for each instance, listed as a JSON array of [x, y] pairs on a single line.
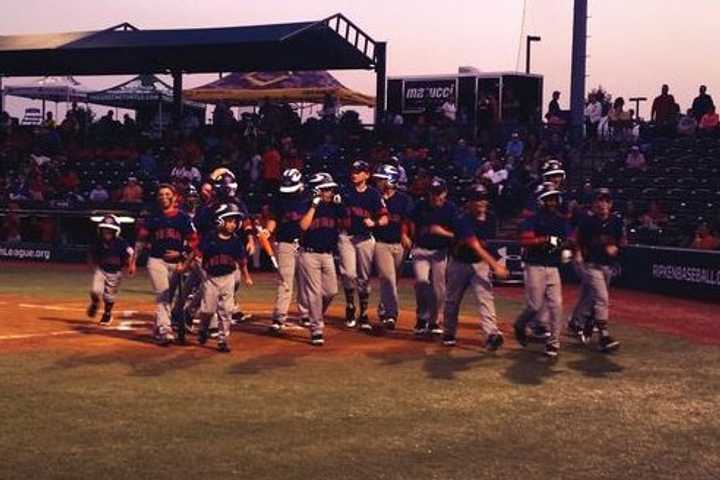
[[105, 285], [318, 285], [218, 298], [388, 259], [595, 293], [164, 280], [356, 256], [460, 276], [288, 254], [543, 288], [429, 267]]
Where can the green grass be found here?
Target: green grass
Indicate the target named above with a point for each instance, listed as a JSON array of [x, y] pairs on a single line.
[[649, 412]]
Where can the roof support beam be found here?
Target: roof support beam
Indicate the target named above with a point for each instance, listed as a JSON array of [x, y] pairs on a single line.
[[177, 96], [381, 73]]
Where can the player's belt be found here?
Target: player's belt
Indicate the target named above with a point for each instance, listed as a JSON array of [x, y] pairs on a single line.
[[314, 250]]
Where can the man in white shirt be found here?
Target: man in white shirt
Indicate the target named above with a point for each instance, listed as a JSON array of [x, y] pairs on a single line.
[[497, 174], [593, 115], [185, 171]]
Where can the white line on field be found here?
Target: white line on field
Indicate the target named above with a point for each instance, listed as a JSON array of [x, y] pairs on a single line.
[[51, 307], [35, 335]]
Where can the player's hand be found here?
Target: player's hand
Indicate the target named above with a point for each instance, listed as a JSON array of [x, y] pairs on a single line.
[[131, 269], [337, 199], [501, 272], [171, 255], [612, 250], [263, 233], [316, 200], [250, 247], [406, 242], [554, 241], [248, 280], [369, 222], [182, 267]]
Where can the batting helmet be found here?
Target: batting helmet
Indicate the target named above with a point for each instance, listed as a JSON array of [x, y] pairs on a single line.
[[110, 222], [438, 185], [389, 173], [321, 181], [225, 186], [227, 210], [553, 167], [479, 192], [291, 181], [546, 190]]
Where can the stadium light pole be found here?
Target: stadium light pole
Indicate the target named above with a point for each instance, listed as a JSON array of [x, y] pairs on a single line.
[[528, 44], [637, 101], [577, 77]]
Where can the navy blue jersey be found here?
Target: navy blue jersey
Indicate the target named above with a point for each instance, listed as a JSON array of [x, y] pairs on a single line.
[[288, 211], [595, 234], [545, 223], [322, 235], [424, 216], [399, 209], [168, 231], [361, 205], [467, 226], [112, 256], [220, 256], [205, 216]]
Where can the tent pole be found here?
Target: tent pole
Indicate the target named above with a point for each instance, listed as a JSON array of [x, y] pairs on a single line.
[[177, 95], [2, 95], [43, 109], [381, 72]]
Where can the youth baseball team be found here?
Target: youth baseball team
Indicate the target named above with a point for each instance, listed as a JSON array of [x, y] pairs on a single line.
[[197, 256]]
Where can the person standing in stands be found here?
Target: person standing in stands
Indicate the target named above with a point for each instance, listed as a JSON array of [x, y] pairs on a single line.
[[702, 104], [663, 108]]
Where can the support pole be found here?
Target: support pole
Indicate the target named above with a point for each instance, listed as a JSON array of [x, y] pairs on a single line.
[[577, 80], [177, 96], [381, 72]]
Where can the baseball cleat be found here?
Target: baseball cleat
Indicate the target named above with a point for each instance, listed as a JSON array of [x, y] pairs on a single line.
[[213, 333], [573, 328], [304, 322], [276, 326], [165, 340], [223, 347], [202, 336], [240, 317], [435, 329], [317, 340], [608, 344], [494, 342], [551, 350], [92, 310], [364, 323], [520, 335], [106, 320], [389, 323], [420, 328], [449, 341], [586, 334], [350, 315]]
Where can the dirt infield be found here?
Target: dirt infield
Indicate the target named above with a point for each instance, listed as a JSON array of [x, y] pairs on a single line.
[[33, 322]]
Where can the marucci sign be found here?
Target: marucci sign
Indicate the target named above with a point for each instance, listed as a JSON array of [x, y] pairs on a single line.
[[419, 94]]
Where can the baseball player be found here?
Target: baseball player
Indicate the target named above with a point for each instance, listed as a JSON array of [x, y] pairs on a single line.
[[600, 236], [222, 252], [543, 235], [321, 225], [469, 266], [392, 241], [109, 255], [289, 209], [356, 245], [169, 232], [431, 222]]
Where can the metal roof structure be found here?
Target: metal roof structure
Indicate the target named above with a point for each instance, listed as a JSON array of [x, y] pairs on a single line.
[[333, 43]]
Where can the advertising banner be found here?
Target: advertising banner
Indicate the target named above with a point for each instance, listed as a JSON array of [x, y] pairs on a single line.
[[421, 93]]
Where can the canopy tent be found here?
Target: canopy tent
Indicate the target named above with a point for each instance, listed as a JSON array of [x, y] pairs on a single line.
[[52, 89], [310, 86], [143, 91]]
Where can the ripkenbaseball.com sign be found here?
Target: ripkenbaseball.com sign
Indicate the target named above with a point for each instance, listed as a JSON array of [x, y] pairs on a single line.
[[419, 94]]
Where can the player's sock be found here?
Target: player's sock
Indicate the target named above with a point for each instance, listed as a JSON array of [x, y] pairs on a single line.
[[108, 308], [350, 297], [364, 300]]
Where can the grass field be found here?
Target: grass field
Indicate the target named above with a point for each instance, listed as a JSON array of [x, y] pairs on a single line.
[[81, 402]]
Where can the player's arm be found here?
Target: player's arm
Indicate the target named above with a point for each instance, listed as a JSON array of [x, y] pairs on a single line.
[[245, 273], [406, 234], [309, 216], [441, 231], [476, 246]]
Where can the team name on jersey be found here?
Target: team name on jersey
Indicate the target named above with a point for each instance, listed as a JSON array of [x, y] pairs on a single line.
[[323, 222], [221, 259], [168, 234]]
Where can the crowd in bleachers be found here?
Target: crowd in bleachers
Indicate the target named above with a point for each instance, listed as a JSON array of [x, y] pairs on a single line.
[[666, 179]]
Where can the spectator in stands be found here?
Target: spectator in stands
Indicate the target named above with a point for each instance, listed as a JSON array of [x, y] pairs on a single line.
[[185, 170], [709, 122], [147, 163], [68, 180], [98, 194], [11, 224], [654, 217], [620, 120], [593, 115], [687, 124], [327, 149], [514, 148], [702, 104], [271, 168], [635, 159], [554, 114], [132, 192], [464, 157], [49, 121], [663, 107], [497, 174], [705, 238]]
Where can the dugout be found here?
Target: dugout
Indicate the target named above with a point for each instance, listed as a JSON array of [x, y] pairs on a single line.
[[509, 98]]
